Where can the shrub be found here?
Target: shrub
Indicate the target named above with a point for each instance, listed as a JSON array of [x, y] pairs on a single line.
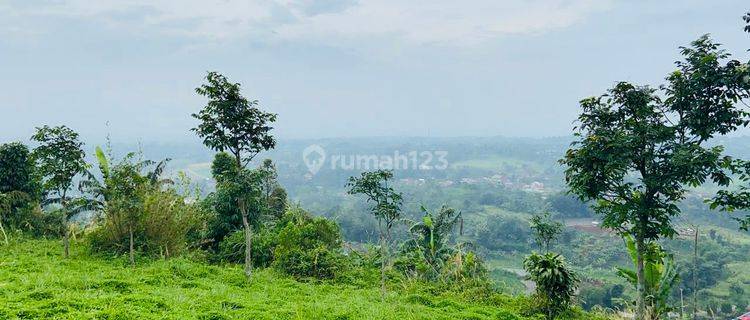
[[319, 262], [223, 221], [298, 244], [232, 248], [309, 246], [556, 283], [169, 223], [18, 213], [45, 223], [165, 227]]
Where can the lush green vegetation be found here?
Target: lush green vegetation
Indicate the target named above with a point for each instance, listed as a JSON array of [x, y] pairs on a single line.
[[167, 230], [635, 216], [36, 284]]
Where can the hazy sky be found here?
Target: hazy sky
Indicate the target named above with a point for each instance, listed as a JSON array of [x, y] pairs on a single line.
[[334, 68]]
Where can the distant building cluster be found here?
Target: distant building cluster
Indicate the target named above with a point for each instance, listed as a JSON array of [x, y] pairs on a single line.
[[497, 179]]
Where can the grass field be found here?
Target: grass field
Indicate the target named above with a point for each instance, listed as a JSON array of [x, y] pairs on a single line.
[[36, 283]]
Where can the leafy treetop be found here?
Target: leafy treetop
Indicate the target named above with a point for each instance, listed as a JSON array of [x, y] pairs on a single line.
[[374, 185], [60, 157], [230, 122], [637, 152], [546, 230]]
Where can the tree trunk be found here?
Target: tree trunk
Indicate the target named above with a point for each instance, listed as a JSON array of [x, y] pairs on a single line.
[[549, 313], [248, 240], [132, 250], [695, 275], [383, 263], [245, 223], [641, 299], [248, 246], [5, 236], [383, 258], [66, 229], [66, 234]]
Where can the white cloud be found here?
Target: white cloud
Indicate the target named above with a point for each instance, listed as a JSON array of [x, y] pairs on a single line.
[[208, 18], [418, 22], [445, 21]]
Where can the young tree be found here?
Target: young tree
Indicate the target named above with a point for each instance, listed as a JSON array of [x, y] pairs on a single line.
[[60, 158], [128, 194], [556, 284], [226, 216], [230, 122], [636, 153], [545, 230], [386, 207], [277, 203], [270, 182], [274, 196]]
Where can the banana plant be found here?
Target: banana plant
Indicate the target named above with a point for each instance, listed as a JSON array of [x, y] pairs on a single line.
[[97, 188], [101, 190], [660, 273], [430, 237]]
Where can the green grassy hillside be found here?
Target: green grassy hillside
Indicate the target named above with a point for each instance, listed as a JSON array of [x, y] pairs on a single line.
[[36, 283]]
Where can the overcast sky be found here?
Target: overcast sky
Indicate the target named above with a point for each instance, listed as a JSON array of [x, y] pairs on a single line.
[[339, 68]]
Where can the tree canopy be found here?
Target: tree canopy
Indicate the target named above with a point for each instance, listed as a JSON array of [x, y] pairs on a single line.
[[638, 149], [230, 122], [60, 157]]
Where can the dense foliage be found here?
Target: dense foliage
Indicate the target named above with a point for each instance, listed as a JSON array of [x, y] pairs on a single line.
[[556, 283], [139, 209], [638, 150]]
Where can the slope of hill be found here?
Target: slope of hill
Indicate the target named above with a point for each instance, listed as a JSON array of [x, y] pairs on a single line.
[[36, 283]]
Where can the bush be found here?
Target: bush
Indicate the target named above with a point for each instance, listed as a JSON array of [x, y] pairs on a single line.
[[166, 226], [29, 218], [556, 284], [169, 223], [298, 244], [232, 248], [309, 246], [320, 262], [223, 221], [45, 223]]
